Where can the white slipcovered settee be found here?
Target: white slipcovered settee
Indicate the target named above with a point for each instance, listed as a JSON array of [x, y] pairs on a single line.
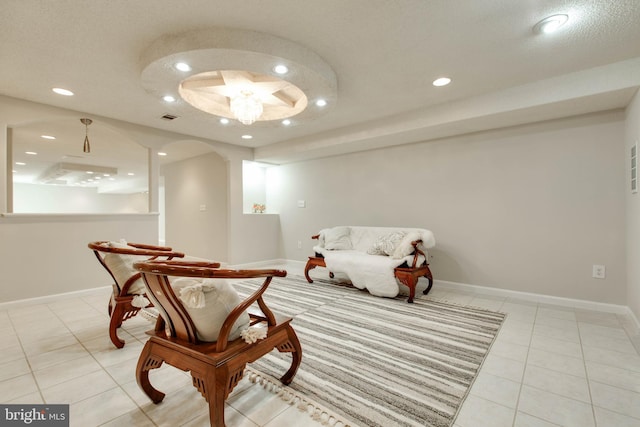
[[375, 258]]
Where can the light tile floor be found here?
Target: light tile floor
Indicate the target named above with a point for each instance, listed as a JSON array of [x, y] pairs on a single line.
[[549, 366]]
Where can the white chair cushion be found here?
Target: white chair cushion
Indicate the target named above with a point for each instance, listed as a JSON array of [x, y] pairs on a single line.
[[209, 302], [121, 266]]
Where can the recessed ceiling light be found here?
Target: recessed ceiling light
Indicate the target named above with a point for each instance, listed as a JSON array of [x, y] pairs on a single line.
[[550, 24], [90, 172], [168, 98], [224, 121], [106, 174], [47, 137], [31, 153], [442, 81], [321, 102], [286, 122], [61, 91], [112, 179], [281, 69], [182, 66], [131, 174], [247, 136], [161, 153], [20, 163]]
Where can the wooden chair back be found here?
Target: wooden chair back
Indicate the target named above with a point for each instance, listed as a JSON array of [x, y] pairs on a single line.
[[121, 305], [103, 247], [216, 367], [178, 322]]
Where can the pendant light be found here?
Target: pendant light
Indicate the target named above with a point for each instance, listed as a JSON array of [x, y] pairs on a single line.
[[86, 122]]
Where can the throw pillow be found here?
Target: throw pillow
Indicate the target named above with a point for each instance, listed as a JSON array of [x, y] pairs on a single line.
[[386, 245], [121, 266], [209, 302], [337, 238]]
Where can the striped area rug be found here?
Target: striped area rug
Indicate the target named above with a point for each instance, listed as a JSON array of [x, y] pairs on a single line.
[[379, 361]]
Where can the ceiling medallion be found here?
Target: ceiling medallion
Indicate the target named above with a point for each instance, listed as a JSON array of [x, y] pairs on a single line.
[[243, 95], [234, 74]]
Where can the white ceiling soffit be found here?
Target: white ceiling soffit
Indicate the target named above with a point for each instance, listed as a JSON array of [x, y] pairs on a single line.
[[599, 89]]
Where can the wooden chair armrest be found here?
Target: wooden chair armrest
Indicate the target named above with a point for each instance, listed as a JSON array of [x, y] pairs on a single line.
[[317, 237], [151, 247], [416, 253], [140, 249], [223, 336]]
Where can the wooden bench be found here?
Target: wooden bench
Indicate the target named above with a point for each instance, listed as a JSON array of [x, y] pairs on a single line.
[[408, 273]]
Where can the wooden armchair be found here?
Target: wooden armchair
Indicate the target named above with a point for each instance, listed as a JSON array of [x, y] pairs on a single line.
[[216, 367], [118, 258]]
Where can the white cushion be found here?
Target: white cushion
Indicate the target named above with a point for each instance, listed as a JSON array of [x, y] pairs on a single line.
[[121, 266], [209, 302], [386, 244], [337, 238], [404, 247]]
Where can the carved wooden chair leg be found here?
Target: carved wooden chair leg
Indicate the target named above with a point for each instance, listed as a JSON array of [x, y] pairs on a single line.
[[405, 276], [115, 322], [216, 402], [308, 268], [411, 284], [429, 277], [293, 346], [146, 362]]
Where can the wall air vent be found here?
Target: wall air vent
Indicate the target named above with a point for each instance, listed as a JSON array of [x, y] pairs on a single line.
[[169, 117]]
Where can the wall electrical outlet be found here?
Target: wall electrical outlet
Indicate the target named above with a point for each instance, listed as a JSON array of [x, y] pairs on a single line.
[[599, 271], [299, 244]]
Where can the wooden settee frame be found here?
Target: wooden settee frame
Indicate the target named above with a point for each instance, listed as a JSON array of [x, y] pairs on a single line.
[[407, 274]]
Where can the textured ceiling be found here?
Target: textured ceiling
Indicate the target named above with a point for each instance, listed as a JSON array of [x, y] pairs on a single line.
[[384, 53]]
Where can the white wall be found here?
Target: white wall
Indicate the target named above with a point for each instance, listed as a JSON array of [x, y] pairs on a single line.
[[632, 136], [48, 254], [190, 186], [529, 208], [252, 237], [39, 198]]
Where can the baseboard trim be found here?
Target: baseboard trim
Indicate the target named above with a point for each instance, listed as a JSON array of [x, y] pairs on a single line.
[[47, 299], [538, 298]]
